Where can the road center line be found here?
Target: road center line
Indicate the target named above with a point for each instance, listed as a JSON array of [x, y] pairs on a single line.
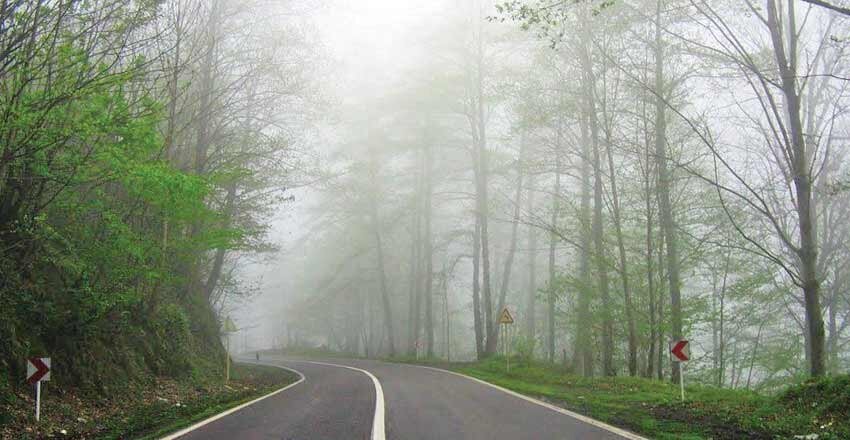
[[621, 432], [378, 428], [185, 431]]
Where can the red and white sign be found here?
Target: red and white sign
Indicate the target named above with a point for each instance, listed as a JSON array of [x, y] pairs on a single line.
[[680, 351], [38, 369]]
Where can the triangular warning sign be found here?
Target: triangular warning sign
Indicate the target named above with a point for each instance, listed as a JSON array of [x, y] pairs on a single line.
[[505, 317], [229, 326]]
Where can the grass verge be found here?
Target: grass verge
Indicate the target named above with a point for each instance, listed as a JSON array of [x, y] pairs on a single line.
[[653, 408], [148, 412]]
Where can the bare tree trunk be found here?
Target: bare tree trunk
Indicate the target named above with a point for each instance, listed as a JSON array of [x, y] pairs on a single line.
[[476, 287], [650, 277], [668, 226], [447, 325], [413, 290], [379, 250], [416, 319], [807, 251], [833, 336], [481, 254], [662, 325], [624, 270], [584, 321], [202, 141], [490, 347], [218, 260], [429, 263], [754, 353], [597, 222], [509, 258], [530, 312], [553, 241], [721, 363]]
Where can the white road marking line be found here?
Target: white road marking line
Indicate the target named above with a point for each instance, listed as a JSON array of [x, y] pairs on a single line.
[[621, 432], [185, 431], [378, 428]]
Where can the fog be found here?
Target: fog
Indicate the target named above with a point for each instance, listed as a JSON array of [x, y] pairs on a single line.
[[619, 175], [572, 188]]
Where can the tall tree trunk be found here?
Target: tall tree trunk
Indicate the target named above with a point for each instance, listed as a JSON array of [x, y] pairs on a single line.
[[484, 211], [530, 312], [553, 241], [429, 263], [754, 353], [218, 261], [650, 269], [662, 325], [597, 222], [800, 163], [379, 251], [412, 310], [721, 362], [665, 207], [202, 136], [204, 121], [416, 319], [447, 324], [833, 336], [476, 288], [624, 270], [509, 258], [584, 321]]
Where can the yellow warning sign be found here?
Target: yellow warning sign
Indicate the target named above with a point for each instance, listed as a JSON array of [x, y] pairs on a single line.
[[229, 326], [505, 317]]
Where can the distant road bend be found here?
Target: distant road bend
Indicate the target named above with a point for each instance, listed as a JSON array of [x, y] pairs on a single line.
[[359, 399]]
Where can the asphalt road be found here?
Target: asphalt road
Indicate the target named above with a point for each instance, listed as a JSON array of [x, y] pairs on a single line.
[[341, 402]]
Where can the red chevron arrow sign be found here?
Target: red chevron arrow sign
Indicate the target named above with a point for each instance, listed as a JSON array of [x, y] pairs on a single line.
[[680, 351], [38, 369]]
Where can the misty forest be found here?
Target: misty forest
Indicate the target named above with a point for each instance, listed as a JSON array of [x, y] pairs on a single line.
[[381, 179]]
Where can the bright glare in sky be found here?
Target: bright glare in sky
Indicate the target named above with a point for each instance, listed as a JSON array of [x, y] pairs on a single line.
[[373, 38]]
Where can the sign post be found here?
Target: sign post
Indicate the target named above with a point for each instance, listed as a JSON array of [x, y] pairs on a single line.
[[505, 319], [681, 354], [38, 369], [229, 327]]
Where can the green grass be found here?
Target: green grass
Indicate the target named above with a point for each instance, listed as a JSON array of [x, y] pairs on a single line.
[[654, 409]]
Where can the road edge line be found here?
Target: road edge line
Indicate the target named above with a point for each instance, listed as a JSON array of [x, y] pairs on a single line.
[[378, 421], [619, 431], [226, 413]]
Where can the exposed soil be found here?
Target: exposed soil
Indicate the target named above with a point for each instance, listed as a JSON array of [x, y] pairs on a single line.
[[127, 413]]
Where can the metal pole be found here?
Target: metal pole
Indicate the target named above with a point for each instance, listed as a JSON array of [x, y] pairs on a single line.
[[682, 379], [506, 334], [37, 400], [508, 346]]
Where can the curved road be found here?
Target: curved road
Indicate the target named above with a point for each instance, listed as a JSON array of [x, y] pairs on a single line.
[[338, 399]]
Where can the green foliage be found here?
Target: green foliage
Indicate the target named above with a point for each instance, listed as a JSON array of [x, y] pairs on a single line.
[[827, 398], [653, 408], [524, 349], [94, 254], [171, 327]]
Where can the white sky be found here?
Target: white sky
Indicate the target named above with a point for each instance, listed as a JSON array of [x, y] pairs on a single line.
[[373, 40], [368, 43]]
